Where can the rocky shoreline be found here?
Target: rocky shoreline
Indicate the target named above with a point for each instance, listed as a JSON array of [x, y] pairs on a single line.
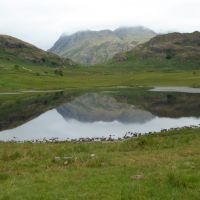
[[110, 138]]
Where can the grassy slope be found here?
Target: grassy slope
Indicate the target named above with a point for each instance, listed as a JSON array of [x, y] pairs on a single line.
[[18, 51], [164, 52], [169, 163]]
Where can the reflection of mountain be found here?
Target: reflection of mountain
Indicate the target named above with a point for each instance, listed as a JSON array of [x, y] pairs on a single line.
[[95, 107]]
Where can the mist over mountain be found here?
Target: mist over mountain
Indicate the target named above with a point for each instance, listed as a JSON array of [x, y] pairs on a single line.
[[93, 47]]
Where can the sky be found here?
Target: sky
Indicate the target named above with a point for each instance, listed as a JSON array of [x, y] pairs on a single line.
[[41, 22]]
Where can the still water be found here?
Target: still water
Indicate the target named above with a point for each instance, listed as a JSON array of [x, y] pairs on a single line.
[[93, 115]]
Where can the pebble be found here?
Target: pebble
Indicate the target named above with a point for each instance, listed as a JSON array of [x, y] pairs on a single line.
[[57, 158], [137, 177], [66, 163], [92, 155]]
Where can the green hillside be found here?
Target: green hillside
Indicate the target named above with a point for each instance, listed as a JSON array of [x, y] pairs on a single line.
[[169, 52], [13, 50]]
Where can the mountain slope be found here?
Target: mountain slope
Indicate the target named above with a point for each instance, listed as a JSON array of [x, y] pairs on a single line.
[[92, 47], [12, 49], [174, 50]]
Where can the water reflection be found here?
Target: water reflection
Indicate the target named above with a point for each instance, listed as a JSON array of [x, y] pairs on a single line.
[[94, 107], [93, 115], [51, 124]]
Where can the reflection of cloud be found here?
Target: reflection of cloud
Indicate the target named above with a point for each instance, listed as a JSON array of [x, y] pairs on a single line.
[[93, 107], [51, 124]]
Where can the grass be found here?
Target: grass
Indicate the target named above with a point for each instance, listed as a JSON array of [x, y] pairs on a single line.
[[79, 78], [167, 162], [156, 63], [40, 77]]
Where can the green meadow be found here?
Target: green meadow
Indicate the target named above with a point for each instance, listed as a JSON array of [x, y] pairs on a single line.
[[27, 77], [153, 167]]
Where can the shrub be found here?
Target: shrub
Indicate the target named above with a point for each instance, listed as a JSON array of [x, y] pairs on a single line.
[[170, 54], [43, 60], [61, 73], [58, 72]]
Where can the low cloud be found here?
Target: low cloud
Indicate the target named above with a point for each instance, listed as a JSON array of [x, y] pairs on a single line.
[[42, 22]]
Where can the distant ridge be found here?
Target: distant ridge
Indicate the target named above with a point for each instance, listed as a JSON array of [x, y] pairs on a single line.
[[93, 47], [172, 51]]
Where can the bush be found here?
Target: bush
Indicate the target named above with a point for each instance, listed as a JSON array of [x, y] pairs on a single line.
[[61, 73], [43, 60], [170, 54], [58, 72], [54, 63]]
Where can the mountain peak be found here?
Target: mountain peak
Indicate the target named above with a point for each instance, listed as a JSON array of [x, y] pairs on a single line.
[[93, 47]]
